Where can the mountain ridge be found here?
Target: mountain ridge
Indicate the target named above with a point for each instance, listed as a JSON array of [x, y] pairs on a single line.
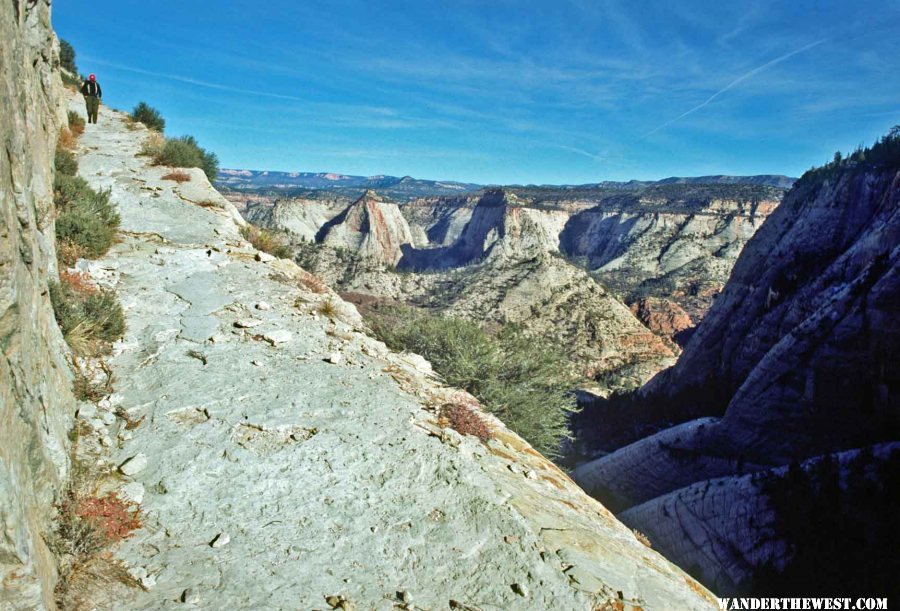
[[408, 186]]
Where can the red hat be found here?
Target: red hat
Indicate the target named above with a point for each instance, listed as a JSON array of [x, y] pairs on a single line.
[[92, 78]]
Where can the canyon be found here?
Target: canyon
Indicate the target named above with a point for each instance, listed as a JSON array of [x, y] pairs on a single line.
[[253, 444], [613, 272]]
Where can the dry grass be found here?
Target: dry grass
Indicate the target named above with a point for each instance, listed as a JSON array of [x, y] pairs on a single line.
[[67, 139], [266, 241], [68, 252], [327, 309], [208, 204], [90, 318], [93, 582], [641, 537], [88, 525], [90, 521], [153, 145], [178, 176], [76, 123], [87, 388], [313, 283]]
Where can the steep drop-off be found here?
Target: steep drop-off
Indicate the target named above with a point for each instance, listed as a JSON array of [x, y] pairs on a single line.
[[797, 358]]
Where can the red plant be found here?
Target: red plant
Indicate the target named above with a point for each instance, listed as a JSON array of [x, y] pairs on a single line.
[[78, 282], [177, 176], [465, 420], [313, 283], [112, 518]]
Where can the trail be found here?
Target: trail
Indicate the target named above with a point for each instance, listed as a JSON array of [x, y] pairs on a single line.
[[307, 446]]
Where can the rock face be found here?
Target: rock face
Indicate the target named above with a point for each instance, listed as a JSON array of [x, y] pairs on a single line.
[[499, 228], [559, 303], [662, 316], [507, 255], [679, 245], [371, 226], [36, 404], [287, 474], [797, 358], [302, 218]]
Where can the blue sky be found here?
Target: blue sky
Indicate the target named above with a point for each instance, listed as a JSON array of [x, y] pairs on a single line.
[[559, 91]]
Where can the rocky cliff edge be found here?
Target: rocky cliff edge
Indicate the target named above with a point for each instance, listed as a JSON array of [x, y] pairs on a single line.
[[281, 456]]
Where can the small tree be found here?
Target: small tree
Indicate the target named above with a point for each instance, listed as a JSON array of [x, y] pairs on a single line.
[[149, 116], [67, 56]]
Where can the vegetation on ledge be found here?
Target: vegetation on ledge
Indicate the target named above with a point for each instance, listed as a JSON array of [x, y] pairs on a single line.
[[521, 380]]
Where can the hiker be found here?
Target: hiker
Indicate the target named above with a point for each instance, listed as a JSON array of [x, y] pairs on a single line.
[[92, 93]]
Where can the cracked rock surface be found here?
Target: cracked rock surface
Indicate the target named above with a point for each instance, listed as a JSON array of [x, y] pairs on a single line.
[[297, 460]]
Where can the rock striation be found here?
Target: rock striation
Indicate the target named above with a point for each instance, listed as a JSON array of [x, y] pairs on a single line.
[[371, 227], [36, 403], [283, 458]]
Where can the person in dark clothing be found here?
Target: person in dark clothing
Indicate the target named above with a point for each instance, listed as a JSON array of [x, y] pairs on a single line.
[[92, 93]]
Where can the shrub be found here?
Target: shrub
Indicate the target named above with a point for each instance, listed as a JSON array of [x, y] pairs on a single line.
[[523, 382], [266, 241], [89, 317], [466, 420], [67, 56], [178, 176], [149, 116], [327, 309], [76, 123], [87, 219], [184, 152], [68, 252], [88, 524], [153, 145], [65, 162], [67, 139]]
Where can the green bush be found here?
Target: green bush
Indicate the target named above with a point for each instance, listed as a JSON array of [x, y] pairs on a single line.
[[67, 56], [266, 241], [86, 218], [184, 152], [88, 319], [76, 123], [524, 382], [149, 116], [65, 162]]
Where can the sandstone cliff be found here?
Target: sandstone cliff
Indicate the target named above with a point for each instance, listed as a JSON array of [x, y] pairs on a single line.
[[281, 456], [797, 358], [372, 227], [36, 403]]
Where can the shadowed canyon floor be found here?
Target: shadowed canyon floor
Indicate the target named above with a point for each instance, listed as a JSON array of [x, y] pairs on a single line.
[[284, 456]]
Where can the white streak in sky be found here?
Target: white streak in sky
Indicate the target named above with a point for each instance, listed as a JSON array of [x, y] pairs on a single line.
[[735, 83], [190, 81]]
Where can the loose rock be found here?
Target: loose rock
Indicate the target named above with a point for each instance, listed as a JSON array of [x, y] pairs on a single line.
[[134, 465], [247, 323], [278, 337], [220, 540]]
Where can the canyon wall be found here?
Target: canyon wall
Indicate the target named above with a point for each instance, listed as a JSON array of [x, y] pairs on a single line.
[[36, 404]]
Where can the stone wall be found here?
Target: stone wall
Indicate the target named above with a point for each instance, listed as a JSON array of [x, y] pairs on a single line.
[[36, 403]]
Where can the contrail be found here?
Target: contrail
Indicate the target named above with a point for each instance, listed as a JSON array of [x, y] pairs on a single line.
[[736, 82], [199, 83], [579, 151]]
